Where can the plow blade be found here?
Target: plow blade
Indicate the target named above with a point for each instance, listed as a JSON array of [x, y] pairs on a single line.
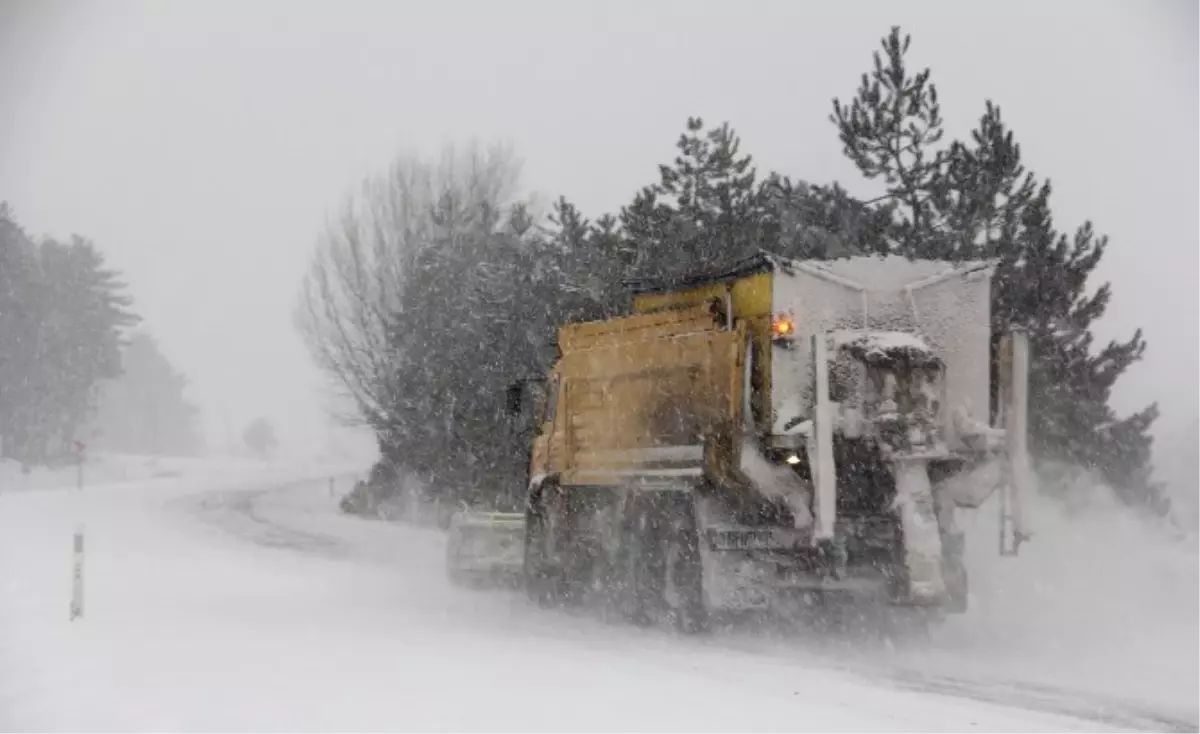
[[485, 547]]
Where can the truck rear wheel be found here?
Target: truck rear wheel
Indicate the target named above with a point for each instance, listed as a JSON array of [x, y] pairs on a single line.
[[663, 572], [684, 566], [636, 590]]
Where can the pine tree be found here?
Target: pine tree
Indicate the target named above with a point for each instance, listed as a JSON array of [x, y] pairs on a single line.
[[705, 210], [804, 221], [590, 259], [975, 199], [144, 410], [18, 334], [890, 130], [709, 208], [62, 316], [84, 314]]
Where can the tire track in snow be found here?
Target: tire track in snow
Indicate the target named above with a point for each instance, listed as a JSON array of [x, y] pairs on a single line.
[[236, 513], [1049, 699]]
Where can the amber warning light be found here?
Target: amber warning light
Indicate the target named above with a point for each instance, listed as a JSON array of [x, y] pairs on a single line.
[[783, 326]]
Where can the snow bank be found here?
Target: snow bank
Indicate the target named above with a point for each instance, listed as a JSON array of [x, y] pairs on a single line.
[[98, 469], [102, 469]]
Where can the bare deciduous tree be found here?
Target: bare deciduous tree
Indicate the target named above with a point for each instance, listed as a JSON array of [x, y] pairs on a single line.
[[362, 261]]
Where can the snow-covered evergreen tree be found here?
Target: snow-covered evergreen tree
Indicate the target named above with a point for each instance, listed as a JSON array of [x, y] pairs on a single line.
[[63, 313], [144, 410], [710, 208], [705, 209]]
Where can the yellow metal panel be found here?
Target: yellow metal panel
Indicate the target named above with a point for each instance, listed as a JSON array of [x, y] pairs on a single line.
[[637, 327], [751, 296], [669, 374], [642, 393], [647, 302]]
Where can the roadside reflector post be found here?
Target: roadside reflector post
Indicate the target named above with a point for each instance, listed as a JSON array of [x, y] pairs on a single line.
[[77, 540], [331, 483], [77, 575]]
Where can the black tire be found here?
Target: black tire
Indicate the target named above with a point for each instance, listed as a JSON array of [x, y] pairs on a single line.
[[690, 612], [661, 550], [579, 570], [636, 589]]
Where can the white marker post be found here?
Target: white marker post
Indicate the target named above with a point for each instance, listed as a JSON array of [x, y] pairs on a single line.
[[77, 575], [77, 543]]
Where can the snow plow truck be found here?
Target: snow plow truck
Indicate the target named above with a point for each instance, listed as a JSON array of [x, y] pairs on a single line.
[[772, 431]]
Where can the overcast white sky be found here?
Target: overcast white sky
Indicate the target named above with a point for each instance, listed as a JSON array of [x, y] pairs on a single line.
[[200, 144]]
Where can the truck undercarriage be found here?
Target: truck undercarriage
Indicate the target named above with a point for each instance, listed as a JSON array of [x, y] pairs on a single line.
[[678, 550]]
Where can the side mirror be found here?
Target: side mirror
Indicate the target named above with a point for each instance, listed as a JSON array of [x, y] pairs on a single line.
[[512, 397]]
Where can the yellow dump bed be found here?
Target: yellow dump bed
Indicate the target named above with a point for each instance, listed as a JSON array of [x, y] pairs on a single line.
[[643, 395]]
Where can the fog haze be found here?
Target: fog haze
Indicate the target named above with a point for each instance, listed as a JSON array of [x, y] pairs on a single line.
[[201, 145]]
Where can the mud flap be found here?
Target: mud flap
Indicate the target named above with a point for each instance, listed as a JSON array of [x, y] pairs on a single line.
[[921, 536]]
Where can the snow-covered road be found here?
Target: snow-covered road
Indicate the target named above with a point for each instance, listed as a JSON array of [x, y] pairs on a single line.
[[223, 603]]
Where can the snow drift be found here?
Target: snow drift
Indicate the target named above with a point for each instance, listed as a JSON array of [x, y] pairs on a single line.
[[1102, 596]]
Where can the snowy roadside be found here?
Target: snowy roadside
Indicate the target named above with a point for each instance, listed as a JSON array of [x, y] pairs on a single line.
[[189, 627], [102, 470], [97, 470], [43, 656], [1101, 600]]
